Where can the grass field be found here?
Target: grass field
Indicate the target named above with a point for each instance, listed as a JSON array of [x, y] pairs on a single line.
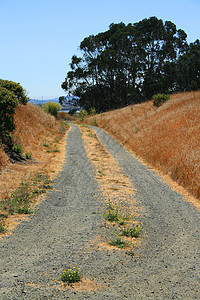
[[167, 138]]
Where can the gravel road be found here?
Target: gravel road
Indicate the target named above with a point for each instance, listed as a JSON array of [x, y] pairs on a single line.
[[65, 225]]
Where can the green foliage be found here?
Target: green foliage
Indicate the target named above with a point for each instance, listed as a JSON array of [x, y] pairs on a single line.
[[132, 231], [72, 112], [130, 253], [82, 114], [8, 103], [159, 99], [119, 243], [112, 213], [92, 111], [188, 67], [95, 122], [71, 275], [28, 155], [45, 144], [16, 89], [21, 198], [17, 148], [130, 63], [2, 225], [61, 100], [52, 108]]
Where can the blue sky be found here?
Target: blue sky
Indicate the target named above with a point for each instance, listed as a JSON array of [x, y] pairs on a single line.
[[39, 37]]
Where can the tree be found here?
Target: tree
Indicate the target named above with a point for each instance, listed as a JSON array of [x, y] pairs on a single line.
[[188, 68], [126, 64]]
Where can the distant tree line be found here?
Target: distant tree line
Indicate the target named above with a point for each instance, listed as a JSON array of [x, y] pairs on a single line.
[[130, 63]]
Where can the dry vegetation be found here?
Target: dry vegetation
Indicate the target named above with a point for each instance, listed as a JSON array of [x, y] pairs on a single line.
[[39, 134], [167, 138]]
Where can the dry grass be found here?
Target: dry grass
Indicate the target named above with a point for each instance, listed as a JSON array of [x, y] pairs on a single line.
[[167, 138], [34, 127], [65, 116], [116, 187]]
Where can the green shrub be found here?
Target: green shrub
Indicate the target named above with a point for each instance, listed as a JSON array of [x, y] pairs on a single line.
[[18, 91], [25, 193], [92, 111], [71, 275], [112, 213], [2, 225], [159, 99], [72, 111], [82, 114], [132, 232], [28, 155], [119, 243], [17, 148], [52, 108], [8, 103], [45, 144]]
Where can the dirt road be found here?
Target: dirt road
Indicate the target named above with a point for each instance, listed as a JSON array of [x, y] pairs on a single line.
[[66, 225]]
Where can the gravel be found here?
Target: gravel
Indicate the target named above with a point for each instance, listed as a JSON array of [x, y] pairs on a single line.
[[62, 231]]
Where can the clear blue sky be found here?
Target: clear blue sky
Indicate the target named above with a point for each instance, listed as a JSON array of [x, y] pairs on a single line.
[[39, 37]]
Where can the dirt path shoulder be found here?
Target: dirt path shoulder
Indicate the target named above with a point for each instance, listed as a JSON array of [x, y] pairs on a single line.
[[65, 229]]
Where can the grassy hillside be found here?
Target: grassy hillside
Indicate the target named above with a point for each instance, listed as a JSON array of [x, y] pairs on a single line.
[[168, 137], [39, 134]]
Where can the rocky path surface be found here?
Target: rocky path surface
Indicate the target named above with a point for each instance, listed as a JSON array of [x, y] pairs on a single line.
[[65, 225]]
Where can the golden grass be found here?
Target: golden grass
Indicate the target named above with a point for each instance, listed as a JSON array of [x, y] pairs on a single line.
[[167, 138], [34, 127], [116, 187]]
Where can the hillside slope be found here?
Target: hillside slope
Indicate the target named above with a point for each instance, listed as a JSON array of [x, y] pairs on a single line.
[[39, 134], [167, 138]]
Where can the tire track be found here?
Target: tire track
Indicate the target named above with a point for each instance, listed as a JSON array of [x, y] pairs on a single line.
[[63, 229]]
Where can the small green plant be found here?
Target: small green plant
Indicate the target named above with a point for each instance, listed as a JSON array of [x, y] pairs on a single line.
[[101, 173], [28, 155], [130, 253], [132, 231], [24, 210], [71, 275], [45, 144], [2, 226], [119, 243], [95, 122], [160, 99], [56, 150], [112, 213], [25, 193], [17, 148], [63, 127]]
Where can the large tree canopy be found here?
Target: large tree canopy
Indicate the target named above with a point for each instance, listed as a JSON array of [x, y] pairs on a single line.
[[129, 64]]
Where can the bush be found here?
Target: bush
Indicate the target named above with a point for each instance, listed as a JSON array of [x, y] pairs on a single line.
[[159, 99], [8, 103], [17, 148], [82, 114], [93, 111], [72, 111], [71, 275], [28, 155], [17, 90], [52, 108]]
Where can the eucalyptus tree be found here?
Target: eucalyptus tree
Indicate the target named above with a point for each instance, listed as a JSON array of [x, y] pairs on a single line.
[[188, 68], [126, 64]]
